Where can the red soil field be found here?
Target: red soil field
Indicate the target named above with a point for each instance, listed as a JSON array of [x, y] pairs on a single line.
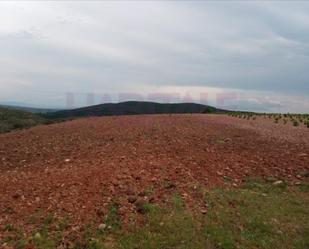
[[78, 168]]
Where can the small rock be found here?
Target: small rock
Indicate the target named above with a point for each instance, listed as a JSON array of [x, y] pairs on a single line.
[[170, 185], [276, 183], [154, 179], [122, 211], [139, 205], [100, 212], [37, 236], [102, 227], [67, 160], [203, 211], [116, 183], [16, 195], [142, 193], [130, 191], [161, 224], [132, 199], [152, 199], [138, 178], [306, 174], [75, 228]]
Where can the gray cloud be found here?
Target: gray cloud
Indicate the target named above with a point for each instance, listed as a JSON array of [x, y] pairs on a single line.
[[51, 48]]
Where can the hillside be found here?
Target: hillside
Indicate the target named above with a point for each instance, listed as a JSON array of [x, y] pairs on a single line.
[[11, 119], [132, 108]]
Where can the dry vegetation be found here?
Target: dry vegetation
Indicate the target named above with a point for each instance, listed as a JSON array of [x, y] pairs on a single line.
[[287, 118]]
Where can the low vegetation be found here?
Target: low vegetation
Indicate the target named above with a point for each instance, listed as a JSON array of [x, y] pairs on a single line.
[[287, 118], [11, 119], [257, 215]]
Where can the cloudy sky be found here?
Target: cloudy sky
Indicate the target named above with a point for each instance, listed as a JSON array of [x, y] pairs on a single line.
[[243, 55]]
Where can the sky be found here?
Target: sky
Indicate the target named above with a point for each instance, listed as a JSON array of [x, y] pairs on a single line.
[[244, 55]]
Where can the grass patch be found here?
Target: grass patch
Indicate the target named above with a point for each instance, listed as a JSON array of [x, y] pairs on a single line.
[[258, 215], [112, 219], [166, 228], [304, 187]]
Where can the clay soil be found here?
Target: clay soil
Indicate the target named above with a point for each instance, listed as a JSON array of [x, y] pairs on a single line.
[[79, 168]]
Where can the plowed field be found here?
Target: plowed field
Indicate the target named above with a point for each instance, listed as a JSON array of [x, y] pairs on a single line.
[[78, 168]]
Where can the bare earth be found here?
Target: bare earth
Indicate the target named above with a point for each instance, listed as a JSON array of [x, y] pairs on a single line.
[[78, 168]]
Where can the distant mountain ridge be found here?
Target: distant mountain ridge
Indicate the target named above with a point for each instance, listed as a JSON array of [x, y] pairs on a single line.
[[133, 108], [27, 108]]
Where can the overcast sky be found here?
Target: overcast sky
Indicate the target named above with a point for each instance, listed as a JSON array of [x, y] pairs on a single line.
[[247, 55]]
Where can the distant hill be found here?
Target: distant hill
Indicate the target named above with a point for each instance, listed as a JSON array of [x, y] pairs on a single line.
[[133, 108], [27, 109]]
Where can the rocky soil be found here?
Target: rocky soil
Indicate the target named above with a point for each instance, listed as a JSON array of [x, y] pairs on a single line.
[[77, 169]]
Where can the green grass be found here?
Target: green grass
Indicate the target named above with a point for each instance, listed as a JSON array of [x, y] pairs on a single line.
[[258, 215], [112, 219]]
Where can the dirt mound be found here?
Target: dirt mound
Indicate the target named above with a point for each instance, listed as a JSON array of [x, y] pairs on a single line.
[[79, 168]]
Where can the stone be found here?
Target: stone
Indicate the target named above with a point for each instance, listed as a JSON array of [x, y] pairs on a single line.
[[132, 199], [276, 183], [204, 211], [16, 195], [100, 212], [37, 236], [139, 205], [170, 185], [102, 227]]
